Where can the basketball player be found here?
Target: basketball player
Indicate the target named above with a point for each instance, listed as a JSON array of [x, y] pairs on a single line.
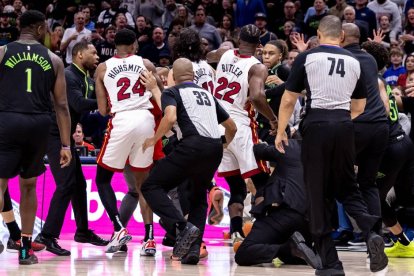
[[120, 93], [336, 94], [29, 73], [239, 87]]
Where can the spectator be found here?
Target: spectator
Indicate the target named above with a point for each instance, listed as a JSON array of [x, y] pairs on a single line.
[[261, 23], [55, 39], [92, 9], [107, 15], [98, 33], [387, 7], [311, 11], [106, 49], [349, 17], [74, 35], [245, 11], [165, 58], [226, 28], [120, 21], [90, 25], [312, 23], [226, 8], [153, 50], [408, 77], [171, 11], [362, 12], [78, 137], [184, 16], [206, 30], [290, 14], [291, 57], [142, 31], [18, 7], [8, 33], [176, 26], [385, 27], [132, 6], [152, 9], [408, 35], [396, 69], [338, 9]]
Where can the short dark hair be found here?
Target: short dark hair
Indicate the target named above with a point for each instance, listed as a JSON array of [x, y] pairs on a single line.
[[379, 52], [125, 37], [250, 34], [281, 45], [188, 45], [31, 18], [110, 27], [80, 46], [331, 26]]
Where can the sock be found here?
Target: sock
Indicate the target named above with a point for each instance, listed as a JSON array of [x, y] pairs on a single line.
[[149, 232], [236, 225], [117, 224], [402, 238], [26, 241], [15, 233]]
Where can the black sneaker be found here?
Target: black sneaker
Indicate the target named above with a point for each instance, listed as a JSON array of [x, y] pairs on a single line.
[[27, 257], [375, 246], [193, 255], [330, 272], [185, 239], [343, 238], [301, 250], [52, 245], [123, 248], [90, 237], [168, 240], [1, 247]]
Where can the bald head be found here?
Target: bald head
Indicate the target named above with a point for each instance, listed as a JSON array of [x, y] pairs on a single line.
[[183, 70], [330, 27], [351, 33]]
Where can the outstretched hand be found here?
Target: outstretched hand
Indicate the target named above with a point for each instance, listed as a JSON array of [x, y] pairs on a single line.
[[299, 41], [148, 79], [378, 36], [281, 138]]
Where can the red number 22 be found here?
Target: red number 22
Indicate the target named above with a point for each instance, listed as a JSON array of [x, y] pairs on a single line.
[[223, 84]]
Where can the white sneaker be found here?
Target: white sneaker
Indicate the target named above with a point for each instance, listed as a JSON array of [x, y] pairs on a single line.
[[117, 240], [149, 248]]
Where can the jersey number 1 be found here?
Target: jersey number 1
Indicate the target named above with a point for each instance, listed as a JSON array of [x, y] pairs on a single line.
[[125, 83], [29, 79]]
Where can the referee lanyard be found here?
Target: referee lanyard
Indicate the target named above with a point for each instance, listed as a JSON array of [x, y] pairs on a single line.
[[86, 75]]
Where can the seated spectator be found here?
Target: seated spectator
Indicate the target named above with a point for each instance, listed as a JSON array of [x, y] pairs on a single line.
[[78, 137], [408, 77], [287, 29], [291, 57], [152, 50], [396, 69], [261, 23], [206, 30], [349, 17], [8, 33]]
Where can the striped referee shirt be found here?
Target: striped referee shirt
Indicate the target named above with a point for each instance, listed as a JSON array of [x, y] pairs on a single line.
[[198, 112], [330, 75]]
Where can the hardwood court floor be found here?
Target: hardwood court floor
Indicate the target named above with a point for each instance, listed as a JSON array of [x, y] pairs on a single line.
[[90, 260]]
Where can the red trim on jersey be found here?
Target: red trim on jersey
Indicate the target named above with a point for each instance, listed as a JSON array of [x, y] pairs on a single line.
[[251, 173], [103, 149], [135, 169], [236, 53], [157, 113], [117, 56], [229, 173], [262, 165]]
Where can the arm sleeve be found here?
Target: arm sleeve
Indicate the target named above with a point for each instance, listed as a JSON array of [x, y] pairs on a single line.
[[168, 98], [76, 99], [222, 114], [295, 82], [360, 91]]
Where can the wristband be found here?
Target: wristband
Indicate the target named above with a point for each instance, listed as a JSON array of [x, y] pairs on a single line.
[[65, 147]]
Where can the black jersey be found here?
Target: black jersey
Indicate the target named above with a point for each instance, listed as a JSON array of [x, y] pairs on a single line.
[[395, 128], [27, 78]]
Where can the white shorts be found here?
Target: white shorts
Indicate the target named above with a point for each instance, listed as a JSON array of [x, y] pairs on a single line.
[[238, 157], [123, 141]]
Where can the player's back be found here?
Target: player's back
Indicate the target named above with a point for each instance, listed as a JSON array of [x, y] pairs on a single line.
[[122, 82], [27, 78], [232, 85], [204, 75]]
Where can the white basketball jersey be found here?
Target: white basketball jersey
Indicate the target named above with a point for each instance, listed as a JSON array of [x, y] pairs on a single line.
[[232, 85], [204, 75], [125, 90]]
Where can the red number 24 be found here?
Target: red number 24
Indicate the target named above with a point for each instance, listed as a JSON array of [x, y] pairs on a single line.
[[223, 84], [125, 83]]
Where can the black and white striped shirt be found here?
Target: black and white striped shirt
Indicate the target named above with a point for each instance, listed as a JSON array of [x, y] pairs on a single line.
[[330, 75], [198, 112]]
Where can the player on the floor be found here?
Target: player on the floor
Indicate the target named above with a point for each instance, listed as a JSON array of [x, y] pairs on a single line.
[[120, 93], [239, 87], [397, 166], [336, 94], [196, 157], [29, 74]]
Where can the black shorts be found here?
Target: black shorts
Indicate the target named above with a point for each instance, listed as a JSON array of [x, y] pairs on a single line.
[[23, 141]]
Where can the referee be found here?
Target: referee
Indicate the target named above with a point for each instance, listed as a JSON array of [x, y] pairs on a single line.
[[196, 157], [335, 95]]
